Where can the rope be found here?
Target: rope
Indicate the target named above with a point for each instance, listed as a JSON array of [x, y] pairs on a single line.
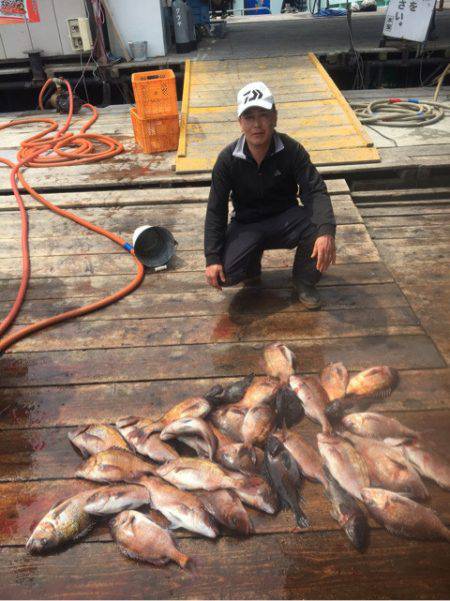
[[61, 149], [398, 112]]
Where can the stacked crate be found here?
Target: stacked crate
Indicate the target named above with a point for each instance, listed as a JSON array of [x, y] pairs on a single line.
[[155, 116]]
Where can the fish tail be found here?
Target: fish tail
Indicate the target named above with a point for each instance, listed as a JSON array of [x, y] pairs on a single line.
[[300, 518], [180, 558]]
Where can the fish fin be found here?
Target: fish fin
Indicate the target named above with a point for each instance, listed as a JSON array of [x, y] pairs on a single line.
[[301, 518], [77, 432], [125, 422]]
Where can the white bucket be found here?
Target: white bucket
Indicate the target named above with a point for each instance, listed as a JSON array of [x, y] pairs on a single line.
[[138, 50], [154, 246]]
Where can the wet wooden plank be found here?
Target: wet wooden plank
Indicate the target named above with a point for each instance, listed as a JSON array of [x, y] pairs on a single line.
[[42, 453], [188, 238], [171, 282], [405, 210], [204, 360], [47, 406], [269, 567], [189, 260], [413, 221], [44, 224], [434, 232], [413, 250], [203, 329], [137, 197], [209, 301]]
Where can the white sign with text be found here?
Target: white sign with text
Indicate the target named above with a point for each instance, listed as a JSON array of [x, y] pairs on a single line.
[[408, 19]]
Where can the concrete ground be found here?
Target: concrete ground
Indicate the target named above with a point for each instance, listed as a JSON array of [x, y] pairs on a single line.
[[290, 34]]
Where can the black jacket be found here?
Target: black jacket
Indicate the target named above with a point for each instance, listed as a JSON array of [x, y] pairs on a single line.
[[258, 193]]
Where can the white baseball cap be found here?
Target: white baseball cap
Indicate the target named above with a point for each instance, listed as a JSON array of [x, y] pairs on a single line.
[[254, 94]]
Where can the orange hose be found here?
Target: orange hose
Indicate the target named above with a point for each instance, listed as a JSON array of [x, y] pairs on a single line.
[[61, 149]]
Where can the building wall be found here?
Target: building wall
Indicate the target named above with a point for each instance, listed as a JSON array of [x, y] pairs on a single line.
[[50, 35]]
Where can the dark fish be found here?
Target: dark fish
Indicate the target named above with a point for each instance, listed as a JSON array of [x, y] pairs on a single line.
[[347, 513], [402, 516], [285, 477], [218, 395], [289, 409], [138, 537]]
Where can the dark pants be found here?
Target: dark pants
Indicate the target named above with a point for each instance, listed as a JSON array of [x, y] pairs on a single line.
[[246, 242]]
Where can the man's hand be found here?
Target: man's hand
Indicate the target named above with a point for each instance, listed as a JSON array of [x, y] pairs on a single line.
[[215, 275], [325, 252]]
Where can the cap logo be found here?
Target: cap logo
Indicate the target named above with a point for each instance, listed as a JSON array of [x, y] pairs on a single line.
[[255, 95]]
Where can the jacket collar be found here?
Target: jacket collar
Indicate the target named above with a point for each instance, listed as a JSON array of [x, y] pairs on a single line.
[[241, 147]]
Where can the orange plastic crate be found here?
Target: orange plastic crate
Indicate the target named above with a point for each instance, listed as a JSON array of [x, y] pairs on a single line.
[[155, 93], [155, 135]]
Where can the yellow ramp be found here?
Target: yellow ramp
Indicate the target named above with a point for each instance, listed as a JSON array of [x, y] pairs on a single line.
[[311, 109]]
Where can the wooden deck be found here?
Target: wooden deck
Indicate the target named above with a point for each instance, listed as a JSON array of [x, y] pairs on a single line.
[[386, 301], [311, 107]]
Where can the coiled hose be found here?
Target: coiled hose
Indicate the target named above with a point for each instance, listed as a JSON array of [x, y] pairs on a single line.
[[58, 150], [398, 112]]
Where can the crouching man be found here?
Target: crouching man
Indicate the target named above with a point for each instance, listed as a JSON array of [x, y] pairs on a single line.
[[265, 171]]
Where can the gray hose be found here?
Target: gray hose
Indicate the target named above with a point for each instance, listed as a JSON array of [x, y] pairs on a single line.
[[399, 114]]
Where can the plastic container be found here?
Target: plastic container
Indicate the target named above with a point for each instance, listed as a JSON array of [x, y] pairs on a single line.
[[155, 93], [138, 50], [155, 135]]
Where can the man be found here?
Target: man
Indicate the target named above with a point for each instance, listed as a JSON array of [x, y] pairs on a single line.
[[264, 171]]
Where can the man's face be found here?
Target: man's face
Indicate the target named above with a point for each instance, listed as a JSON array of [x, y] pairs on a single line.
[[258, 125]]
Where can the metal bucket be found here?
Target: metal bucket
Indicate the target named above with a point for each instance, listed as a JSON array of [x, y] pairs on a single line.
[[154, 246], [138, 50]]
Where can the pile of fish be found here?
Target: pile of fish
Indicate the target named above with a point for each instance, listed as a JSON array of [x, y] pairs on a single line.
[[199, 465]]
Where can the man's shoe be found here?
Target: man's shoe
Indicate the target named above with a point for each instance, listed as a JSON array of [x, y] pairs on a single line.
[[308, 295]]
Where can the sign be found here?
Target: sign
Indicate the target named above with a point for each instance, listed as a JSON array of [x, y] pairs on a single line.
[[18, 11], [408, 19]]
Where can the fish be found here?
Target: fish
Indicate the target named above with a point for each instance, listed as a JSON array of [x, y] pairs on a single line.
[[375, 425], [347, 513], [388, 468], [143, 437], [427, 461], [403, 516], [313, 398], [67, 521], [197, 444], [365, 388], [220, 395], [261, 390], [198, 474], [191, 407], [229, 420], [378, 382], [308, 459], [241, 458], [285, 476], [334, 379], [344, 463], [191, 427], [226, 507], [258, 493], [279, 361], [289, 410], [116, 498], [114, 465], [258, 422], [92, 439], [182, 509], [138, 537]]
